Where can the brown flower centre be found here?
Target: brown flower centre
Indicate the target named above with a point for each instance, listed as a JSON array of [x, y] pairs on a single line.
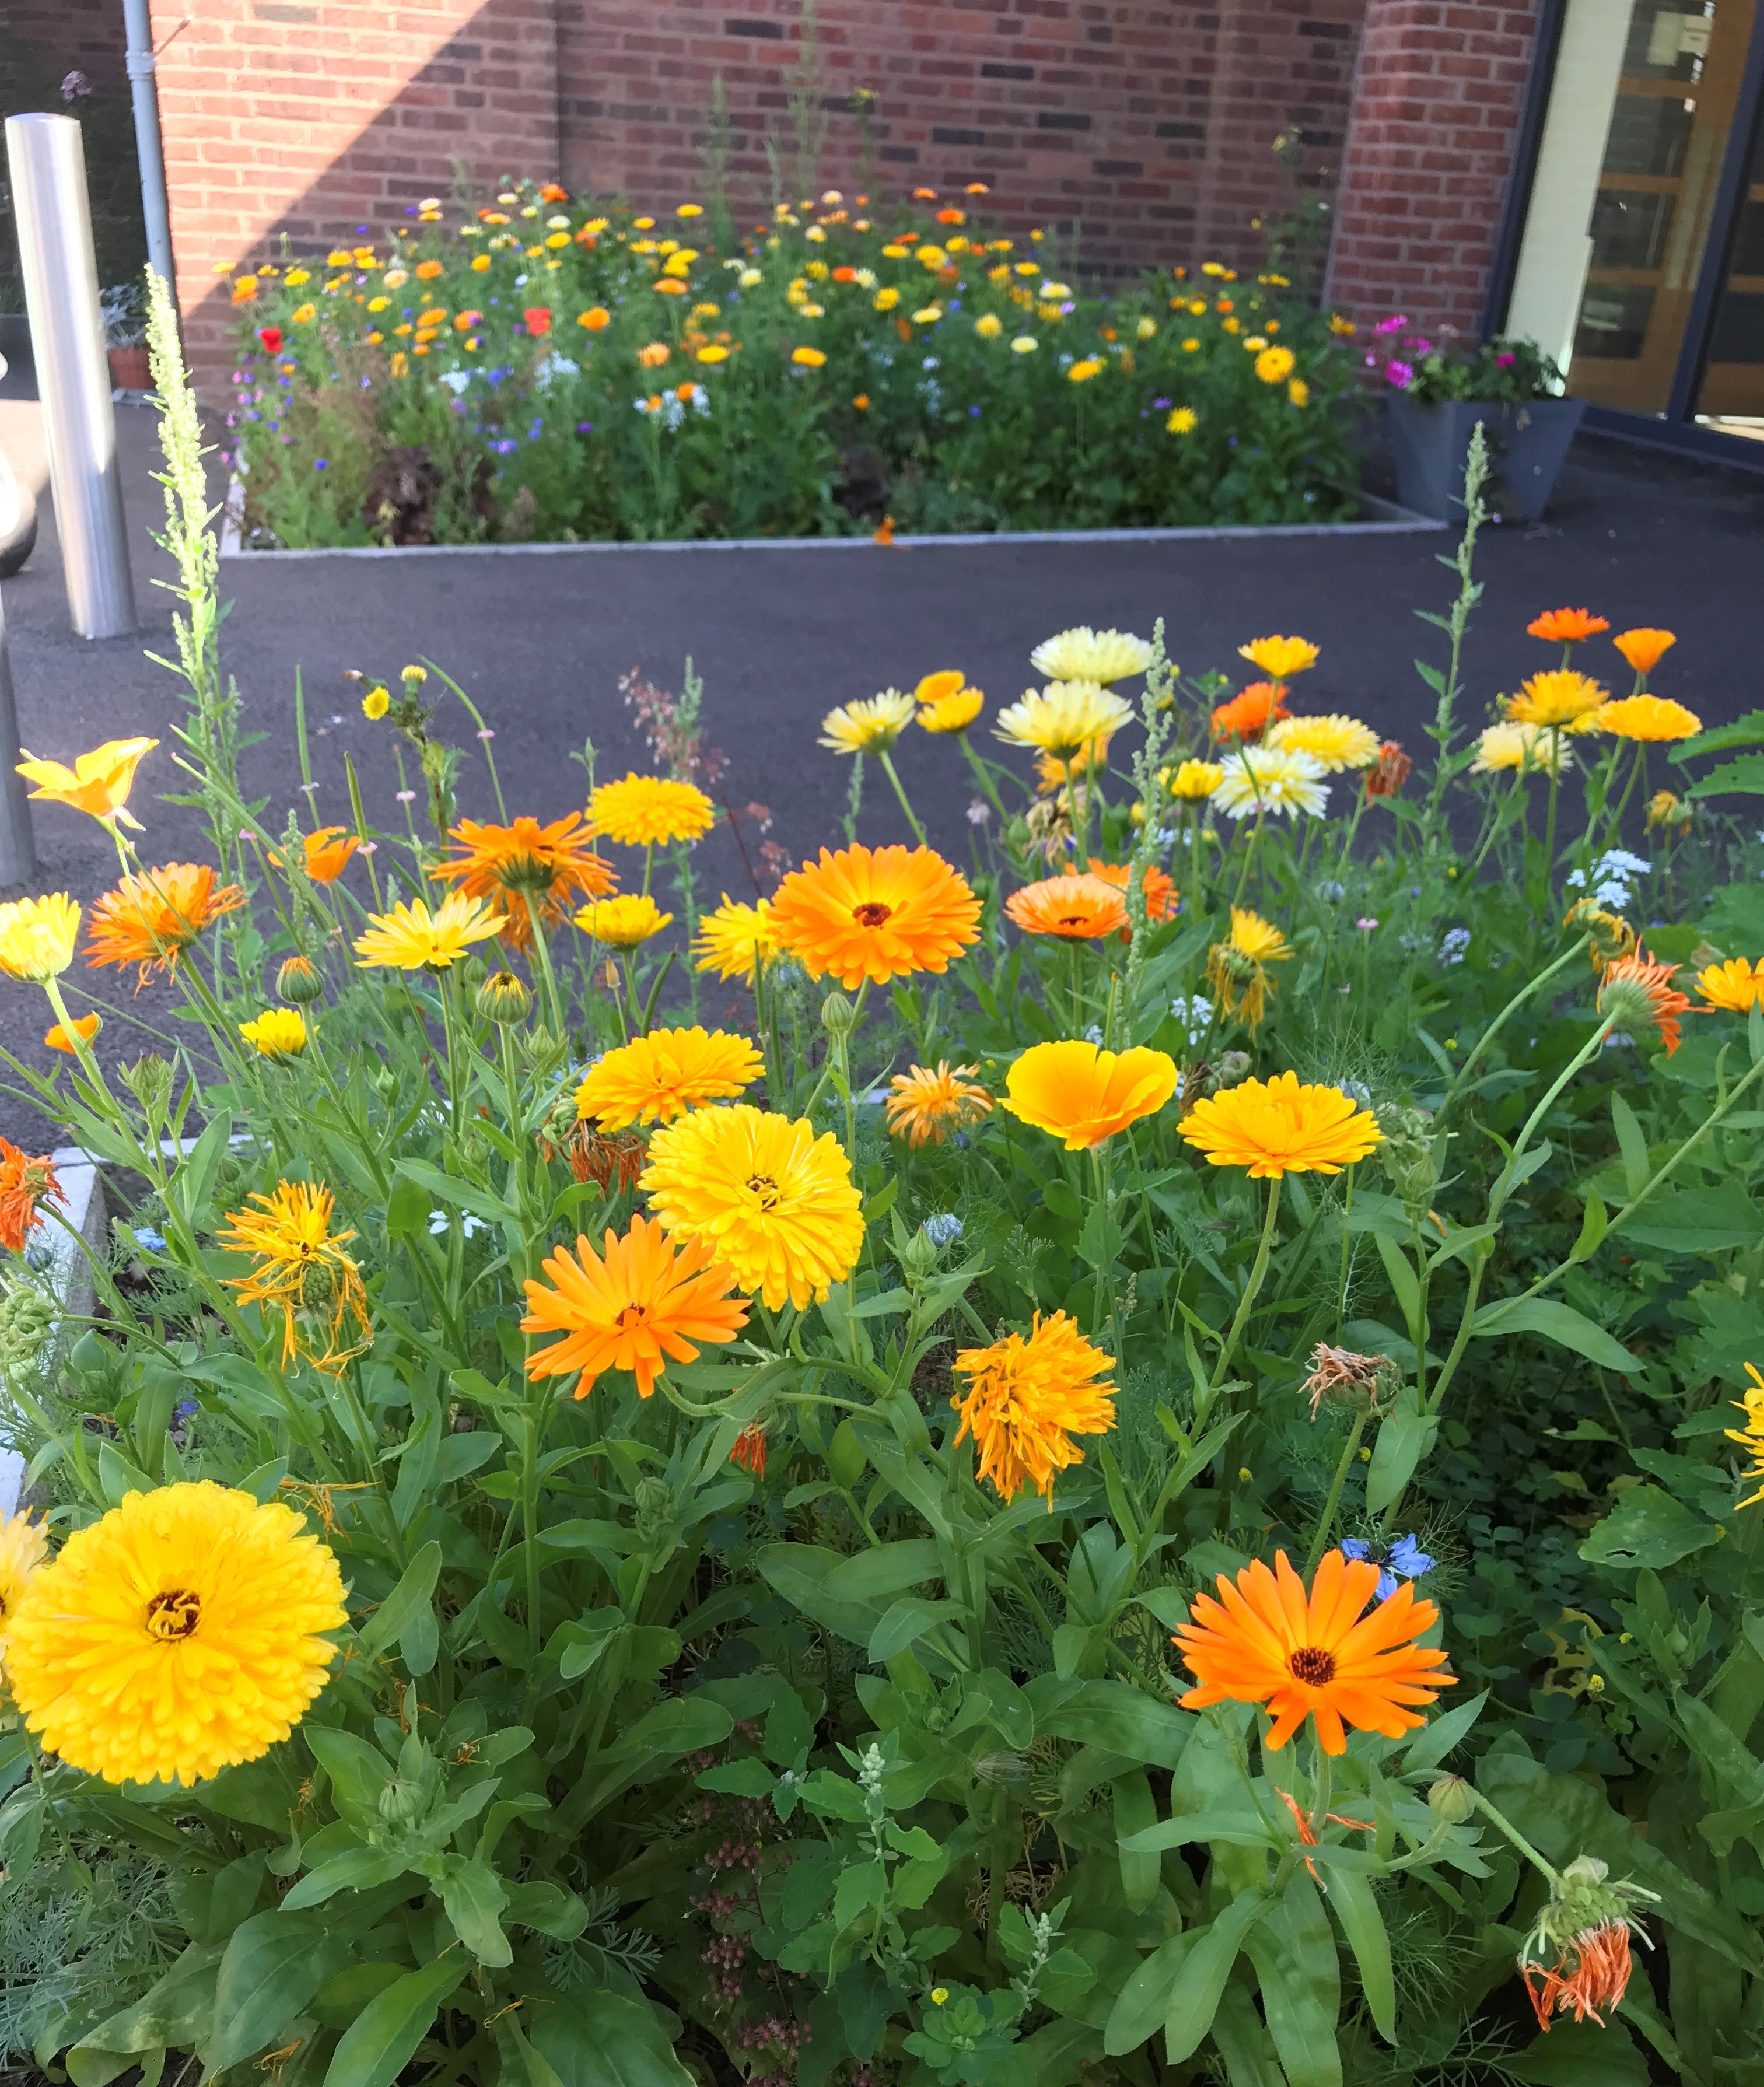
[[1310, 1664], [763, 1186], [173, 1616], [632, 1315], [1074, 919], [872, 913]]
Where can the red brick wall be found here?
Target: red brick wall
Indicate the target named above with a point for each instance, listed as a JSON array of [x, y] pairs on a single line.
[[313, 118], [1429, 156], [86, 35]]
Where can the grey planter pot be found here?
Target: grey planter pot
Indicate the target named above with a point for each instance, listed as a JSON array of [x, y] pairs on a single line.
[[1430, 445]]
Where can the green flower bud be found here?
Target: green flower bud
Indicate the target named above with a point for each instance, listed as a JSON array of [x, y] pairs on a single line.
[[1451, 1799], [839, 1018], [298, 981], [504, 998]]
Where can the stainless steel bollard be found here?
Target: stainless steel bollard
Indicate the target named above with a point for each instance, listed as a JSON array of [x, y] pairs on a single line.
[[18, 850], [46, 156]]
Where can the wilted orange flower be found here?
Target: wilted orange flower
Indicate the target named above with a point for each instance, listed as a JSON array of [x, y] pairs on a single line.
[[25, 1186], [924, 1106], [749, 1449], [1266, 1640], [1635, 993], [85, 1027], [1250, 711], [1390, 771], [1026, 1400], [1566, 626], [1081, 907], [553, 863], [1644, 649], [1599, 1977], [154, 915], [1161, 891], [875, 913]]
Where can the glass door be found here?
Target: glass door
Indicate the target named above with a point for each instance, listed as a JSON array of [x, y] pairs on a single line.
[[1730, 396]]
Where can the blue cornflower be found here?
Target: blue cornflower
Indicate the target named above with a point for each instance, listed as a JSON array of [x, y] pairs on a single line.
[[1404, 1560], [145, 1236]]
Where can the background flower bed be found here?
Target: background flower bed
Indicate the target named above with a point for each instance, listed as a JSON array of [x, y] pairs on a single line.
[[540, 369]]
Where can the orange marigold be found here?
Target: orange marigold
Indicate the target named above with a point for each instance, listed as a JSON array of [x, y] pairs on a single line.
[[553, 864], [1636, 993], [1081, 907], [1160, 890], [1250, 712], [875, 913], [154, 915], [924, 1106], [1644, 649], [26, 1185], [1567, 626]]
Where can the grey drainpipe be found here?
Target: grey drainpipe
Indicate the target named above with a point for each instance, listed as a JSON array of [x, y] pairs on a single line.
[[154, 204]]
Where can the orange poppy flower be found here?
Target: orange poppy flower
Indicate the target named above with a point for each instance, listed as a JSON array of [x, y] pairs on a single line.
[[875, 913], [1566, 626], [1305, 1655], [25, 1186], [1635, 993], [98, 783], [551, 863], [1161, 891], [85, 1026], [154, 915], [1644, 649], [1250, 711], [327, 853], [1081, 907]]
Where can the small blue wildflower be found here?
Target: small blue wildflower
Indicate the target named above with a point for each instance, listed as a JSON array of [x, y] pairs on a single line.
[[185, 1408], [153, 1241], [320, 463], [1403, 1560]]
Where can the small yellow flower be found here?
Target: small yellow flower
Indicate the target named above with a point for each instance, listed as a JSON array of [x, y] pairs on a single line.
[[885, 300], [375, 702], [1025, 343], [278, 1033], [928, 315], [1274, 365], [939, 1994], [1299, 392], [1081, 372], [1191, 345], [623, 923], [1183, 420], [988, 326], [303, 314], [807, 358]]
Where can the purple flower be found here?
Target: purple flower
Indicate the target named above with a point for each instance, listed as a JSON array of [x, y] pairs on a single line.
[[1505, 359], [584, 427], [320, 463], [1160, 405], [1395, 324], [1398, 374]]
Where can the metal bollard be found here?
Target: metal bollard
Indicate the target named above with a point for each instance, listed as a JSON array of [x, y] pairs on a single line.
[[18, 850], [46, 156]]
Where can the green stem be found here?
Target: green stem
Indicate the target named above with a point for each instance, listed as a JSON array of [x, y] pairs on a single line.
[[1516, 1836], [1260, 1268], [887, 761], [1325, 1522], [1495, 1027]]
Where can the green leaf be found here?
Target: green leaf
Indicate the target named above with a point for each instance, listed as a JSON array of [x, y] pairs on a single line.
[[1299, 1974], [1124, 1720], [1405, 1437], [194, 1182], [1431, 1745], [174, 2013], [597, 2038], [906, 1621], [356, 1869], [1194, 1997], [1744, 777], [1141, 2005], [1631, 1144], [1581, 2055], [382, 2039], [474, 1897], [358, 1772], [273, 1964], [1592, 1227], [859, 1890], [1135, 1809], [449, 1189], [1553, 1321], [1357, 1914], [1648, 1527], [411, 1596], [1747, 731]]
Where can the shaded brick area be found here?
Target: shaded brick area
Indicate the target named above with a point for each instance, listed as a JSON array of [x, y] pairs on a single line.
[[1429, 157]]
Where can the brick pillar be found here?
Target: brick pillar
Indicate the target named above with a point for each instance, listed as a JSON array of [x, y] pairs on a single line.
[[1429, 158], [280, 116]]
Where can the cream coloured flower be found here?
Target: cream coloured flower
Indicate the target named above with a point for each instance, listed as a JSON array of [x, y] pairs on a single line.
[[1270, 779], [1533, 748], [1063, 717], [1084, 654]]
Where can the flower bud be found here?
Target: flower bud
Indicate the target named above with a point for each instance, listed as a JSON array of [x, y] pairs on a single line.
[[401, 1803], [298, 981], [1451, 1799], [839, 1018], [504, 998], [919, 1259]]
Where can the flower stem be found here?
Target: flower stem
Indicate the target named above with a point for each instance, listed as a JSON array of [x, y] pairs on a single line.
[[1325, 1520], [887, 761], [1257, 1273]]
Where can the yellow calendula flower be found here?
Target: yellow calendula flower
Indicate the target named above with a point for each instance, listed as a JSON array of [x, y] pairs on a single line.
[[1062, 717], [1561, 698], [776, 1203], [1534, 748], [733, 938], [184, 1632], [1081, 1094], [1736, 985], [37, 937], [1647, 717], [1751, 1436], [943, 708], [1025, 1400], [1335, 741], [649, 811], [98, 783], [24, 1547], [657, 1076], [1183, 419], [1081, 372], [1274, 365], [277, 1033], [1238, 968], [1192, 780], [1279, 658], [411, 938], [1273, 1128], [1084, 654], [988, 326], [621, 923], [807, 358], [869, 726], [302, 1272]]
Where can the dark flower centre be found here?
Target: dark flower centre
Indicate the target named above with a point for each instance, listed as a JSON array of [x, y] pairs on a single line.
[[763, 1186], [872, 913], [1310, 1664], [632, 1315], [1074, 919], [173, 1616]]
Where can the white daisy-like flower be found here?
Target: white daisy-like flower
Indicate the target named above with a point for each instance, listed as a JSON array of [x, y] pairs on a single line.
[[1339, 742], [1270, 779], [1084, 654]]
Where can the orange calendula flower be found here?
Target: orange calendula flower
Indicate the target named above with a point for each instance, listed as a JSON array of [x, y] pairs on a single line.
[[1280, 658], [26, 1185], [1644, 649], [98, 783], [1025, 1401], [1266, 1640], [1567, 626], [1250, 711], [749, 1449], [1081, 907], [1636, 993], [946, 703], [327, 851], [1736, 985], [655, 1077], [875, 913], [638, 1307], [1081, 1093], [85, 1027], [302, 1272], [1161, 891], [924, 1106], [1273, 1127], [1646, 717], [154, 915], [1586, 1924], [1562, 697], [554, 864], [649, 811]]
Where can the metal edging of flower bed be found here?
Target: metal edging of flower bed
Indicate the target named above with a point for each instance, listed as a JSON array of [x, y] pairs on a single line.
[[1392, 521]]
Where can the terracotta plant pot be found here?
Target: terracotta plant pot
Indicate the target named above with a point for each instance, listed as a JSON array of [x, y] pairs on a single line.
[[130, 369]]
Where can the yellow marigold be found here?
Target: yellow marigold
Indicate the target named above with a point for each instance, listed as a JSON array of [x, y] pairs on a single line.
[[154, 915], [1647, 717], [1183, 419], [1081, 372], [869, 726], [377, 701], [1277, 1127], [637, 1307], [1238, 968], [649, 811], [1337, 742], [1084, 654], [1279, 658], [278, 1032], [621, 923], [807, 358], [657, 1076], [24, 1547], [303, 314], [1298, 393], [1736, 985], [1192, 779], [1274, 365], [776, 1203], [37, 936], [730, 938], [988, 326], [98, 783], [302, 1271], [411, 938], [1751, 1436], [923, 1107], [1534, 748], [1026, 1400], [875, 913], [1561, 697], [1080, 1094], [1062, 717], [182, 1634], [946, 704]]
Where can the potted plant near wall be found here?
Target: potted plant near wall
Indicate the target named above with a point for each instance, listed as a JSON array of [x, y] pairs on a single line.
[[125, 320], [1437, 393]]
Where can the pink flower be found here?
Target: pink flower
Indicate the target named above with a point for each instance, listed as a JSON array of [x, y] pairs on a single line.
[[1505, 359], [1395, 324], [1366, 924], [1398, 374]]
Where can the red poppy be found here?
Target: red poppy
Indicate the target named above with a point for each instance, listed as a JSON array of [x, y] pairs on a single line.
[[271, 339], [537, 318]]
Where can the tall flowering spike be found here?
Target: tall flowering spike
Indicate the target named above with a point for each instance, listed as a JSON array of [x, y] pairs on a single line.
[[637, 1306], [1315, 1655], [875, 913], [553, 864], [657, 1076], [26, 1185], [1584, 1926], [1026, 1399], [98, 783], [302, 1272], [153, 916], [182, 1634]]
